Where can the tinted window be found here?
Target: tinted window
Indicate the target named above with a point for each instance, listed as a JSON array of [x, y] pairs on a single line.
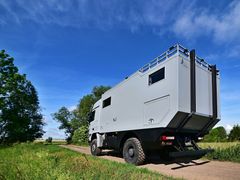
[[156, 76], [91, 116], [107, 102]]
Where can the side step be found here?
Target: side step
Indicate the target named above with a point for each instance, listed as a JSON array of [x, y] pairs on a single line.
[[190, 153]]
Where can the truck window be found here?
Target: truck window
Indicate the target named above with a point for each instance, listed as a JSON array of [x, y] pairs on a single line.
[[107, 102], [156, 76], [91, 116]]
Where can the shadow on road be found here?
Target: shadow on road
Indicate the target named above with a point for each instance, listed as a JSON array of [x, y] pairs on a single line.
[[156, 159], [193, 163]]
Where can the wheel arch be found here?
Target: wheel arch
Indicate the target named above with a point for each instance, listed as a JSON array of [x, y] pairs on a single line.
[[93, 136], [126, 136]]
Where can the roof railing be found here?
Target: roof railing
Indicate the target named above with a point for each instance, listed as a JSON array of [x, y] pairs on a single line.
[[176, 49]]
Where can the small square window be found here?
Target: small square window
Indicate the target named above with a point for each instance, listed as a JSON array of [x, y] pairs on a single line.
[[107, 102], [156, 76]]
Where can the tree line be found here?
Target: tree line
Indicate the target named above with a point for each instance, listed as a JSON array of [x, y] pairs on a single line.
[[219, 134]]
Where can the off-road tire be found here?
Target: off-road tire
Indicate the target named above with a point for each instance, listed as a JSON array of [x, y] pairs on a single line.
[[133, 152], [95, 151]]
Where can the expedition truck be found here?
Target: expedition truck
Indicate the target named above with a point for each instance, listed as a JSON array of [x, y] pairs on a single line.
[[167, 105]]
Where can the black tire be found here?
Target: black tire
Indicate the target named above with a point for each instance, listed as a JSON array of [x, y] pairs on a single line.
[[95, 151], [133, 152]]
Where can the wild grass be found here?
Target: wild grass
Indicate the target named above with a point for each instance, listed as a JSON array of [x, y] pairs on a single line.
[[39, 161], [225, 151], [215, 145], [54, 141]]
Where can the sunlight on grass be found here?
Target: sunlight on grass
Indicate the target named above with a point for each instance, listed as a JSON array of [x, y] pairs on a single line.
[[39, 161], [223, 151]]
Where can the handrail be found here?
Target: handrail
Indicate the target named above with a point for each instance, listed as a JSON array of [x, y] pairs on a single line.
[[176, 49]]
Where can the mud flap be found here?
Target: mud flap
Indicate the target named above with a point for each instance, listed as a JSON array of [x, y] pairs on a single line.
[[100, 139]]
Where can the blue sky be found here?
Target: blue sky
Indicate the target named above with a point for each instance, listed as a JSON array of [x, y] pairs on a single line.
[[66, 47]]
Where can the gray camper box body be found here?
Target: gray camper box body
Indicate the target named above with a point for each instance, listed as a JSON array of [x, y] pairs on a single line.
[[177, 93]]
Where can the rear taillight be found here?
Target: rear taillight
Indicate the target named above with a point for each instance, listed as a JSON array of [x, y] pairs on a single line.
[[167, 138]]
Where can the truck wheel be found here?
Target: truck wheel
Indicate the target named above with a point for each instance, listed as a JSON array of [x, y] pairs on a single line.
[[95, 151], [133, 152]]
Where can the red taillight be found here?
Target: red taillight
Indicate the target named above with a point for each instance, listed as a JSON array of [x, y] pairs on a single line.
[[166, 138]]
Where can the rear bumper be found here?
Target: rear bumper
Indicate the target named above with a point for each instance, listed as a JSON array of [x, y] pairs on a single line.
[[190, 153]]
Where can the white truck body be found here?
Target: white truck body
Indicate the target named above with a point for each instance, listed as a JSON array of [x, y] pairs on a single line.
[[135, 104]]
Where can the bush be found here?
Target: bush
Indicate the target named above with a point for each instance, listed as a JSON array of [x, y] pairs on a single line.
[[80, 135], [228, 154], [49, 140], [218, 134], [234, 134]]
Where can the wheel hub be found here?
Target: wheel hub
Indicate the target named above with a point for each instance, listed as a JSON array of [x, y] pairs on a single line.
[[93, 147], [131, 152]]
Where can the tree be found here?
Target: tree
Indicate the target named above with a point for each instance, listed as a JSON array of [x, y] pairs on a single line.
[[84, 108], [86, 103], [234, 134], [20, 117], [80, 135], [98, 91], [74, 120], [49, 140], [218, 134], [68, 121]]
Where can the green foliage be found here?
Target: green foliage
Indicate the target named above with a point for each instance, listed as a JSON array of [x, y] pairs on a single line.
[[98, 91], [20, 117], [73, 120], [84, 107], [36, 161], [68, 121], [231, 153], [87, 101], [216, 145], [49, 140], [234, 134], [218, 134], [80, 136]]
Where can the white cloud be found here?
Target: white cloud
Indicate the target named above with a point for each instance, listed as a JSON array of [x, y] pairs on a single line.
[[223, 26], [228, 128], [182, 18]]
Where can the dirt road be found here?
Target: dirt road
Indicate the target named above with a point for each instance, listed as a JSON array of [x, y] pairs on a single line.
[[199, 169]]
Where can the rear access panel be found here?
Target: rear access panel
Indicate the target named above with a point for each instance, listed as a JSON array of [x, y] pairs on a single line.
[[156, 110]]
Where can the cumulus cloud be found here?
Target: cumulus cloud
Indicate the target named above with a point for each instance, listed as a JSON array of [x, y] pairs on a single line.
[[223, 26]]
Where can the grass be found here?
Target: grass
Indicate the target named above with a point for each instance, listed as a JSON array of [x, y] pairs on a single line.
[[39, 161], [215, 145], [56, 142], [224, 151]]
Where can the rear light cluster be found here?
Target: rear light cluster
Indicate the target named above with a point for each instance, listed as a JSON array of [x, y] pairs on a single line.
[[167, 138]]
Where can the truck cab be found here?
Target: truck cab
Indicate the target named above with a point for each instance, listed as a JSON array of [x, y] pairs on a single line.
[[94, 118]]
